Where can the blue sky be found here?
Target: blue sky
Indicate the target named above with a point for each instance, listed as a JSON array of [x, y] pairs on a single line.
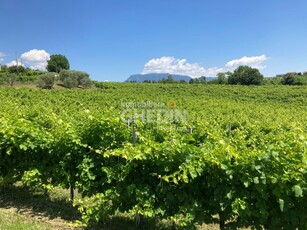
[[112, 39]]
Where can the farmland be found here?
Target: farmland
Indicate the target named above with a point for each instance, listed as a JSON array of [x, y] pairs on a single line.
[[216, 154]]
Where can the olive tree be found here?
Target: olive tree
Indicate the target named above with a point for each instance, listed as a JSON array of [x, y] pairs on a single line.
[[73, 79], [11, 78], [13, 72], [46, 80]]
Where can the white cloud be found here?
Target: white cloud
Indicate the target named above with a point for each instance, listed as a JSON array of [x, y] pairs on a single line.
[[172, 65], [255, 62], [36, 59], [12, 63]]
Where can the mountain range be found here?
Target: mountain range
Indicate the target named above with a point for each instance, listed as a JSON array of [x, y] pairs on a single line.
[[158, 76]]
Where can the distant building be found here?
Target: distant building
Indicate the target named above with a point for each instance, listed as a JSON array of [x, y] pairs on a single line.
[[289, 74], [292, 73], [305, 73]]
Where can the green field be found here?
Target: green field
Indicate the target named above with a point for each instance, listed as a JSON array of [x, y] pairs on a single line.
[[233, 156]]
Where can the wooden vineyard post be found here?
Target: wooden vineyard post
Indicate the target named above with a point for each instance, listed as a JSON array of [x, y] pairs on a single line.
[[229, 129]]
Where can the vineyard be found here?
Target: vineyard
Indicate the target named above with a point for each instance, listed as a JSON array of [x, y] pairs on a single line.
[[191, 154]]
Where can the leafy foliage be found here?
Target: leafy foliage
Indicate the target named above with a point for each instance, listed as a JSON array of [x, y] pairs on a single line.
[[16, 69], [46, 80], [244, 163], [11, 78], [200, 80], [57, 62], [73, 79], [290, 80], [13, 74], [245, 75]]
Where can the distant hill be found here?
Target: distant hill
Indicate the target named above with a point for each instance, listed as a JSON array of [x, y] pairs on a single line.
[[159, 76]]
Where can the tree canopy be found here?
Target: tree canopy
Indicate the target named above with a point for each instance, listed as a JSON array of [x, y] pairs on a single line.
[[16, 69], [46, 80], [245, 75], [72, 79], [57, 63]]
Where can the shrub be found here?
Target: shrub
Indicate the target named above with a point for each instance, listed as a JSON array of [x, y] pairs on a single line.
[[46, 80], [73, 79], [290, 80], [86, 82], [70, 82]]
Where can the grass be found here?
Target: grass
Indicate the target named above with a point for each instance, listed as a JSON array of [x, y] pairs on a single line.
[[35, 208], [21, 208], [10, 220]]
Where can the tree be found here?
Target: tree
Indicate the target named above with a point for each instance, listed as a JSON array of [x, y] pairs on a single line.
[[57, 62], [221, 78], [202, 80], [13, 72], [86, 82], [11, 78], [73, 79], [169, 79], [16, 69], [70, 82], [46, 80], [3, 68], [245, 75], [194, 81], [290, 80]]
